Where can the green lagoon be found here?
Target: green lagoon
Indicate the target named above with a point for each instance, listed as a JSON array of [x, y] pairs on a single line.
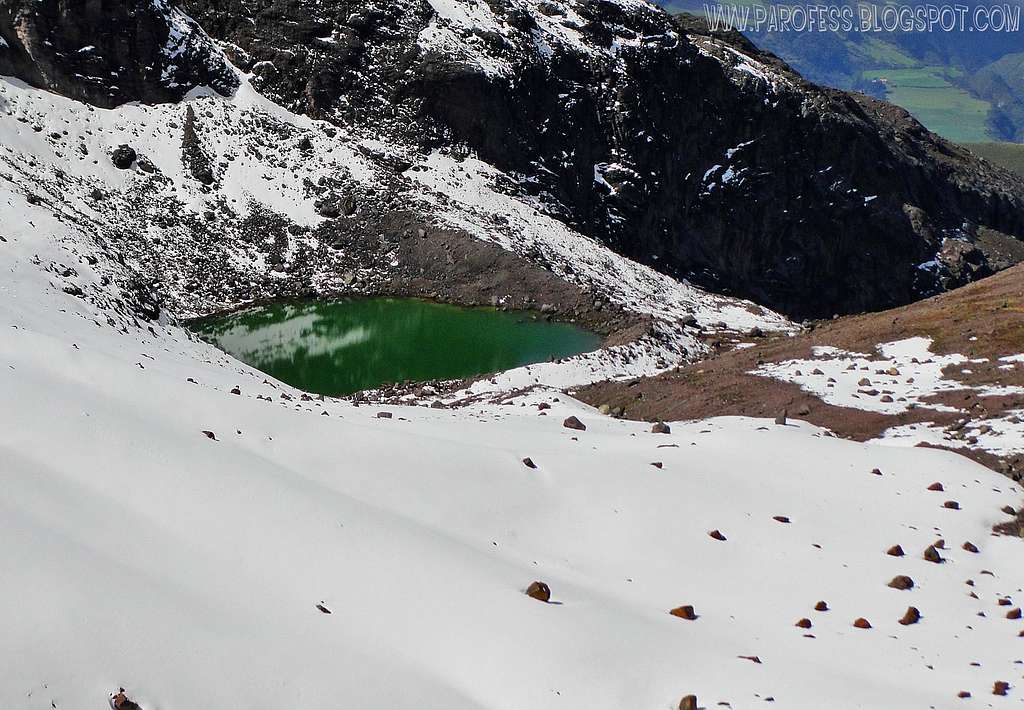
[[340, 347]]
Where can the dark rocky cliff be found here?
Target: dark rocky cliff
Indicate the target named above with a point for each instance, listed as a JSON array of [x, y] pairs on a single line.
[[693, 153], [108, 52]]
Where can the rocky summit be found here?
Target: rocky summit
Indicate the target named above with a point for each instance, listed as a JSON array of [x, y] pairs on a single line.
[[686, 150]]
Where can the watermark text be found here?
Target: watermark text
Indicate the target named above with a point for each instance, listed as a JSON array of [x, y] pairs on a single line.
[[864, 17]]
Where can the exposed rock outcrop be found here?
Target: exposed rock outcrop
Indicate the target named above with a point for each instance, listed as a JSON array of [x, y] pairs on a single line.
[[107, 52], [687, 150]]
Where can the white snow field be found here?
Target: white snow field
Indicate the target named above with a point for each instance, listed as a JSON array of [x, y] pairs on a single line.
[[904, 374], [160, 533], [138, 552]]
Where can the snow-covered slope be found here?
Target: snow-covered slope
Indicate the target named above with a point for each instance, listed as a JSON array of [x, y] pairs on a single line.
[[257, 230], [265, 549], [140, 552]]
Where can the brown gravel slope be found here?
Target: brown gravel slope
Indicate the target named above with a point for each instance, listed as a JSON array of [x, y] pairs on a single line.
[[991, 310]]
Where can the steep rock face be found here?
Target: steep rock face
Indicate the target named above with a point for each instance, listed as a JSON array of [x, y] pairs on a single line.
[[108, 52], [693, 153], [688, 151]]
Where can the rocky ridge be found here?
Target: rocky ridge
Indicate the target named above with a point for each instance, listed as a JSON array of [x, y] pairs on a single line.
[[598, 122]]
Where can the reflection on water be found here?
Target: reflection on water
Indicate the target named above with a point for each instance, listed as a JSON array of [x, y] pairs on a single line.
[[344, 346]]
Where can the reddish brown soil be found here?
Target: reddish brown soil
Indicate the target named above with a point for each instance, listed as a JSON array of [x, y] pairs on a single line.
[[991, 310]]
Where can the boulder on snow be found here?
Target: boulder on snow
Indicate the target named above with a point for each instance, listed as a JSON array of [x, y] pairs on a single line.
[[528, 462], [574, 423], [901, 581], [1000, 687], [123, 157], [684, 612], [912, 616], [936, 487], [862, 623], [661, 428], [804, 623], [120, 701], [689, 702], [821, 606], [781, 419], [717, 535], [895, 551], [932, 555], [1013, 613], [970, 546], [539, 591]]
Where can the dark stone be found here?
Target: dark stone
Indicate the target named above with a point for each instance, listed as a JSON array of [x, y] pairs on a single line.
[[574, 423], [901, 581], [684, 612], [912, 616], [539, 591], [120, 701], [123, 157]]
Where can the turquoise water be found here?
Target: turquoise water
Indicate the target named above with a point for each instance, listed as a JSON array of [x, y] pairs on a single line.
[[341, 347]]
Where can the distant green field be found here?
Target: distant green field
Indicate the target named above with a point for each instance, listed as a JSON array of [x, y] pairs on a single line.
[[1009, 155], [942, 107], [874, 53]]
